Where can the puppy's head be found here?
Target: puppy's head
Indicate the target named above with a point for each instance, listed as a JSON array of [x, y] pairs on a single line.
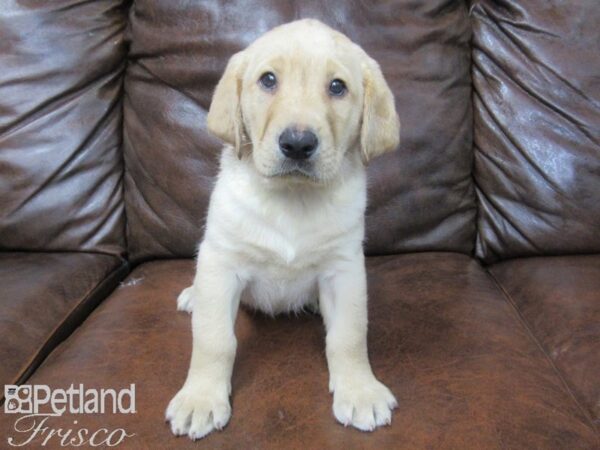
[[300, 99]]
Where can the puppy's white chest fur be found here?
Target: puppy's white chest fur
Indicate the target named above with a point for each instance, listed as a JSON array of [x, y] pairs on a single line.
[[284, 236]]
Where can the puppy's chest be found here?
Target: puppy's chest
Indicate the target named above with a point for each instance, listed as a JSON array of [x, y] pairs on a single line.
[[287, 247], [282, 265], [287, 232]]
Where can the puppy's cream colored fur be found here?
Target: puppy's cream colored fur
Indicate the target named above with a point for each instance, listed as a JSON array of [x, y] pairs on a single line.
[[281, 239]]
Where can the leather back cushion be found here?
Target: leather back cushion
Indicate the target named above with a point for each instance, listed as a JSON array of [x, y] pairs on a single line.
[[421, 197], [61, 66], [536, 67]]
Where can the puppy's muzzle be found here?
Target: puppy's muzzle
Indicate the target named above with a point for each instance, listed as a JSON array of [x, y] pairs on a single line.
[[298, 144]]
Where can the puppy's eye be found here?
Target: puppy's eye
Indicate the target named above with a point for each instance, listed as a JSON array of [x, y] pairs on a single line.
[[337, 88], [268, 80]]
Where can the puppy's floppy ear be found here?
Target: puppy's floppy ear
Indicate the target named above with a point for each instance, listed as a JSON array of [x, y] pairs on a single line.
[[380, 131], [224, 118]]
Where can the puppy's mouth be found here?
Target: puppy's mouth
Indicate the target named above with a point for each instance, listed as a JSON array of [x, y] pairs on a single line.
[[297, 169]]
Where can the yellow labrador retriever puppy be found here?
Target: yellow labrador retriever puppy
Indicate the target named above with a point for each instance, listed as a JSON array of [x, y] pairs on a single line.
[[303, 109]]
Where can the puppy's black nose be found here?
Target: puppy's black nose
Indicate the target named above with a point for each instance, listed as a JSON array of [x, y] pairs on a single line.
[[298, 144]]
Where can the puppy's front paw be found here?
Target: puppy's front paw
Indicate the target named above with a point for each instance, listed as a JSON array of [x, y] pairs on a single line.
[[365, 404], [185, 301], [196, 410]]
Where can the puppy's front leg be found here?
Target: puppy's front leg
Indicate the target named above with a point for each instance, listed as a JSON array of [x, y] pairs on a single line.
[[359, 399], [202, 404]]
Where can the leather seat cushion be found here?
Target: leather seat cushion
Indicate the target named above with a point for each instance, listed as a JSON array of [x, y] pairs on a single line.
[[442, 335], [43, 296], [559, 299]]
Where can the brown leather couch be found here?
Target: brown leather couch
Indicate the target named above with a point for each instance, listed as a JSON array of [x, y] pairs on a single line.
[[483, 228]]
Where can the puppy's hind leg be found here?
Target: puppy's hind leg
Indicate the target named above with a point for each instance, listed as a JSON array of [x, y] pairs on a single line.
[[185, 300]]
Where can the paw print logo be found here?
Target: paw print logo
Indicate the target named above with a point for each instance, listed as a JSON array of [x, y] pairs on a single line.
[[18, 399]]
